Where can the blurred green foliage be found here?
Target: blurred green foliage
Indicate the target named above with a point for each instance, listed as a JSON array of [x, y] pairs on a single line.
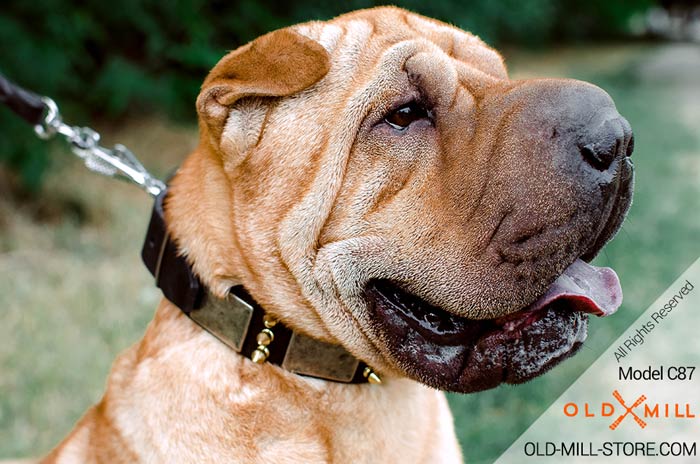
[[101, 59]]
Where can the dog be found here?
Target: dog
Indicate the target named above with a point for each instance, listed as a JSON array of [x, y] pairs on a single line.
[[377, 186]]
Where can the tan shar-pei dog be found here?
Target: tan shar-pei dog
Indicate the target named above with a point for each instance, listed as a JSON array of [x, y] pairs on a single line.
[[390, 200]]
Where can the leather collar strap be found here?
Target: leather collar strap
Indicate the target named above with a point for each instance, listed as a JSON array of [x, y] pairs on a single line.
[[238, 321]]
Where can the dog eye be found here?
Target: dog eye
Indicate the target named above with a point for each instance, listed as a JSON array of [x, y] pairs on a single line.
[[401, 118]]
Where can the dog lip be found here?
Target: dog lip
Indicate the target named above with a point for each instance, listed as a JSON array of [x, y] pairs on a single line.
[[433, 323], [580, 288], [453, 353], [440, 327], [473, 355]]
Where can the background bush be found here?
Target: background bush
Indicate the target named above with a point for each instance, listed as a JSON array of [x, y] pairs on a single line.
[[102, 59]]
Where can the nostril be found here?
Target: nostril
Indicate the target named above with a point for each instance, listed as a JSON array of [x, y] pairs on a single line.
[[600, 157], [630, 147]]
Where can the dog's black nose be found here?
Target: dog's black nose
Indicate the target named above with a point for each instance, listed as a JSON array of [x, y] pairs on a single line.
[[605, 140], [588, 137]]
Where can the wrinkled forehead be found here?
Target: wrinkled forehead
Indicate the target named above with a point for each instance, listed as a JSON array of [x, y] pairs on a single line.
[[362, 39]]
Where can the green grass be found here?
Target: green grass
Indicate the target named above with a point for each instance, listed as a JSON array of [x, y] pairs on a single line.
[[74, 293]]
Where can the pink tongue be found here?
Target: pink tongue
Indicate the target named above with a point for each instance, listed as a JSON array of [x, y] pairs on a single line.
[[587, 288]]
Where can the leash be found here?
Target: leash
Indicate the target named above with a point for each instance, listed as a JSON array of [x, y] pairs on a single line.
[[42, 112], [237, 320]]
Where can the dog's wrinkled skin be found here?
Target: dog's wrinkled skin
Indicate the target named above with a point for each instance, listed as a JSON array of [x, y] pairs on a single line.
[[302, 191]]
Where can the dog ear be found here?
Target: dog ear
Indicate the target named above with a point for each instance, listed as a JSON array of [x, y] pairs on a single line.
[[277, 64]]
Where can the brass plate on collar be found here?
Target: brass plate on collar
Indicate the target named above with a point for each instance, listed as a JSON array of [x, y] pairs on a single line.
[[307, 356], [227, 319]]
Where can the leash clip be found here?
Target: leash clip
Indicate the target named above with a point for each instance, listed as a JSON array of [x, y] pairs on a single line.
[[51, 123], [117, 162]]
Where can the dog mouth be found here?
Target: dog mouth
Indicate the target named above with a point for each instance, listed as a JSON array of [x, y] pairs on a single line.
[[454, 353]]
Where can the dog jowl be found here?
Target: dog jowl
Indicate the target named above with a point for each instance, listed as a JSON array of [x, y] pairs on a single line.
[[379, 182]]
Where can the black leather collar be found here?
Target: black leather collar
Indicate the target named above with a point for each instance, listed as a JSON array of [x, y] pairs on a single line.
[[238, 321]]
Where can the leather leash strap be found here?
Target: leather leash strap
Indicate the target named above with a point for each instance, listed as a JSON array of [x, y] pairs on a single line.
[[25, 104]]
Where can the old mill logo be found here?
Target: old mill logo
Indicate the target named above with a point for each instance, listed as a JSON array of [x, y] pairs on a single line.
[[640, 410]]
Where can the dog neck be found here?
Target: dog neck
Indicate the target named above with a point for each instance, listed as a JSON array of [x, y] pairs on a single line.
[[237, 320]]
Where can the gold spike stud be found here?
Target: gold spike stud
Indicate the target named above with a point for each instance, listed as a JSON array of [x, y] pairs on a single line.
[[269, 321], [260, 354], [371, 376], [265, 337]]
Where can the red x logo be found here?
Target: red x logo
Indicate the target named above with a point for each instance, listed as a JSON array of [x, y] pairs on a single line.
[[628, 410]]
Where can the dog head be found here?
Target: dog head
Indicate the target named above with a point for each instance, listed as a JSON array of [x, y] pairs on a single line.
[[379, 182]]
